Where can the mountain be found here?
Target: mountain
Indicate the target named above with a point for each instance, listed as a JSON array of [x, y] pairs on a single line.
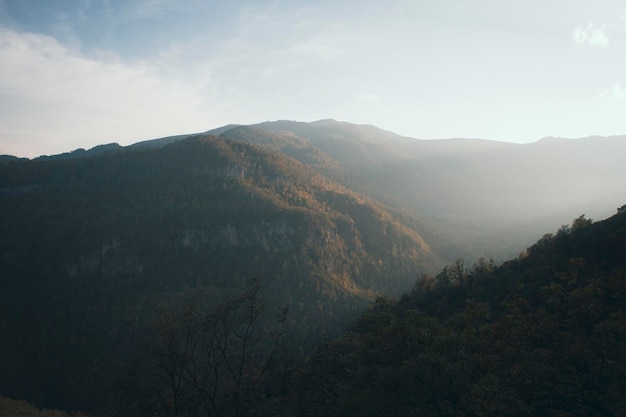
[[542, 334], [96, 244], [9, 158], [469, 197], [93, 247]]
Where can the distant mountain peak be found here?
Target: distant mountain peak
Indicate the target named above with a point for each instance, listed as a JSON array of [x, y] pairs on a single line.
[[553, 140]]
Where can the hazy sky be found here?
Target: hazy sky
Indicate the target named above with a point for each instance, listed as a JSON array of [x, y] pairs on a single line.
[[77, 73]]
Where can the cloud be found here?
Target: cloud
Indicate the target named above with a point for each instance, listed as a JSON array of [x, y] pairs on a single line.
[[588, 35], [366, 97], [616, 92], [53, 99], [390, 11], [99, 81]]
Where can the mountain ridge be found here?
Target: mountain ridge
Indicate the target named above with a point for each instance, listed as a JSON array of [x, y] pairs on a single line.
[[328, 215], [453, 186], [113, 236], [285, 125]]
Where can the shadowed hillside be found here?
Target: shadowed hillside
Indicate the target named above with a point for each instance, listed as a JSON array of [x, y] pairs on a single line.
[[470, 197], [544, 334], [98, 245], [92, 246]]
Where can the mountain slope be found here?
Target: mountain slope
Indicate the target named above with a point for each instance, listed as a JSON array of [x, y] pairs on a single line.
[[92, 246], [327, 214], [544, 334], [468, 197], [472, 197]]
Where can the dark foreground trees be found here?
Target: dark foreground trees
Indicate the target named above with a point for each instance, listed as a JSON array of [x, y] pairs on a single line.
[[542, 335], [561, 356], [206, 364]]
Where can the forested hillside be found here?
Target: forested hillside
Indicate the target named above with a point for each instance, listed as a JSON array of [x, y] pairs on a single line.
[[213, 275], [93, 247], [540, 335], [468, 197]]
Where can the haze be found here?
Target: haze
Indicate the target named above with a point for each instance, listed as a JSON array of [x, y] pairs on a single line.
[[82, 73]]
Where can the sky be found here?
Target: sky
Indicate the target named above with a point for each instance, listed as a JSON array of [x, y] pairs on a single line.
[[79, 73]]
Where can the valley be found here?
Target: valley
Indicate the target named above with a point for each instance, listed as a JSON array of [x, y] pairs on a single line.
[[328, 216]]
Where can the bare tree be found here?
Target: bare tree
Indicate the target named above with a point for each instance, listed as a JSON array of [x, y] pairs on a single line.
[[212, 364]]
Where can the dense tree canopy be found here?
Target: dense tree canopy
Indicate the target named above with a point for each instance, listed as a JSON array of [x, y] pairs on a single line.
[[542, 335], [100, 257], [92, 247]]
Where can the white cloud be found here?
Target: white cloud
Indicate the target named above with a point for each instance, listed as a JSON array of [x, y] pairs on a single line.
[[389, 11], [588, 35], [53, 99], [616, 92], [366, 97]]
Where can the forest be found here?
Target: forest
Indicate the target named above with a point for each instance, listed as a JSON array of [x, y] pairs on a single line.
[[542, 334], [219, 276]]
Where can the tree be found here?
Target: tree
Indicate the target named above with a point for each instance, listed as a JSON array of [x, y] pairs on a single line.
[[453, 275], [401, 364], [212, 364], [581, 222]]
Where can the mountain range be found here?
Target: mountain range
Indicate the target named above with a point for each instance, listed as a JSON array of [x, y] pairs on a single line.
[[468, 197], [328, 215]]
